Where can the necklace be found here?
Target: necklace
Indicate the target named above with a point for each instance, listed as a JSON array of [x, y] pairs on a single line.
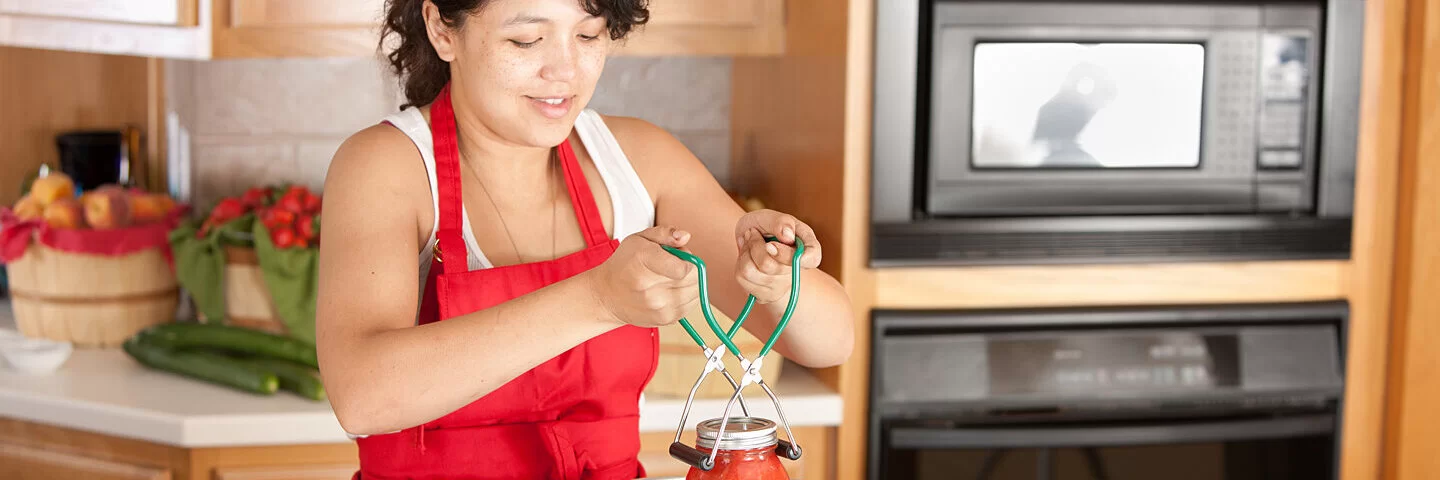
[[549, 176]]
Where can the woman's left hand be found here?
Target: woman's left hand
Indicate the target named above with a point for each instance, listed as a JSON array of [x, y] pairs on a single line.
[[763, 268]]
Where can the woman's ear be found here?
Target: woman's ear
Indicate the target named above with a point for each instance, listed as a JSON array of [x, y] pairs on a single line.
[[442, 37]]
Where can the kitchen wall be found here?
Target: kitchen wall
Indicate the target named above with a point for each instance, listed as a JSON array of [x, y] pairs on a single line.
[[245, 122]]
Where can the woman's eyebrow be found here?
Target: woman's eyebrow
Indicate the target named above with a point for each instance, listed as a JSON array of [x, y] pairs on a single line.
[[525, 19]]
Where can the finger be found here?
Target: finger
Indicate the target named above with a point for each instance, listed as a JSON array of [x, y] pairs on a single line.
[[782, 253], [783, 227], [811, 258], [755, 283], [762, 258], [663, 263], [665, 235]]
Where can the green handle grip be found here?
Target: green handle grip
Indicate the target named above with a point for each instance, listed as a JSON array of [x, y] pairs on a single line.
[[725, 337]]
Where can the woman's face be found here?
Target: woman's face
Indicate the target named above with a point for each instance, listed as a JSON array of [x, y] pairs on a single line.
[[527, 67]]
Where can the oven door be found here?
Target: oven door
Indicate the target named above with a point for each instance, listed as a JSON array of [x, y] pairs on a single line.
[[1281, 448]]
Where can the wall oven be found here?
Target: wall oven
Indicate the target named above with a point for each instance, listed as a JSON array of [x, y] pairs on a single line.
[[1189, 392], [1065, 131]]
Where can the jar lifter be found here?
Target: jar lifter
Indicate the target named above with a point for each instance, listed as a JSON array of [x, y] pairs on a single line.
[[789, 449]]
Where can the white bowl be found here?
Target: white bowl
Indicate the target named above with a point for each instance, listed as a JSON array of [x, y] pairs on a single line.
[[33, 356]]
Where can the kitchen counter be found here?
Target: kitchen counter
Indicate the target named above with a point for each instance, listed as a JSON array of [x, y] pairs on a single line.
[[106, 392]]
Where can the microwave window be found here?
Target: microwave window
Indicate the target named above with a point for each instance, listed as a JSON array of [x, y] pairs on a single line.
[[1071, 105]]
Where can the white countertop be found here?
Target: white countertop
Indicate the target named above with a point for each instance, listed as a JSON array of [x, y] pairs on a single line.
[[107, 392]]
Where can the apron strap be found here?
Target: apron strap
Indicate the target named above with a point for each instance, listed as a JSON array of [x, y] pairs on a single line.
[[449, 237], [581, 198]]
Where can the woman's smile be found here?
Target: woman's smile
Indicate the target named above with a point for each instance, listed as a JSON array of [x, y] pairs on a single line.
[[554, 108]]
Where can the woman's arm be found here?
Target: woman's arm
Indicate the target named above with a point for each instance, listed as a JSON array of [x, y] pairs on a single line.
[[821, 332], [381, 371]]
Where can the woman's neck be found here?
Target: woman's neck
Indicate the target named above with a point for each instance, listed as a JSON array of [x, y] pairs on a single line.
[[486, 154]]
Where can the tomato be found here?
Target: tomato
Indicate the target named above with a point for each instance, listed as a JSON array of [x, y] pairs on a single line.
[[275, 217], [283, 237], [255, 197], [295, 203], [312, 203], [228, 209], [305, 226], [754, 464], [746, 451]]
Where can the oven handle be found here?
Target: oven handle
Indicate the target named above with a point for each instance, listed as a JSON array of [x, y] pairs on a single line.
[[1093, 436]]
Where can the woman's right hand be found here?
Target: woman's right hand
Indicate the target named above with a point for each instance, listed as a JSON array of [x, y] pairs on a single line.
[[641, 284]]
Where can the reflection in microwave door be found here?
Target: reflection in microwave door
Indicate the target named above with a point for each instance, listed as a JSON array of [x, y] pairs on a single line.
[[1068, 105]]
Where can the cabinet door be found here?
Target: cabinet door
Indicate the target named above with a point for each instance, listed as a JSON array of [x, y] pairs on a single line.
[[289, 28], [287, 472], [155, 12], [19, 462], [709, 27]]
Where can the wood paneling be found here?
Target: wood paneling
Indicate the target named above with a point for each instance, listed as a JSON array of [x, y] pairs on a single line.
[[1120, 284], [707, 27], [159, 12], [289, 462], [800, 142], [314, 13], [1369, 288], [287, 472], [96, 448], [253, 28], [44, 93], [1414, 374], [19, 462], [88, 455]]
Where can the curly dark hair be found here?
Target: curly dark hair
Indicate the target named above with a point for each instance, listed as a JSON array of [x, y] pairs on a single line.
[[421, 70]]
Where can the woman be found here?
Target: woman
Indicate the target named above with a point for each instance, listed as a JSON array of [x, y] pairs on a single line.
[[517, 342]]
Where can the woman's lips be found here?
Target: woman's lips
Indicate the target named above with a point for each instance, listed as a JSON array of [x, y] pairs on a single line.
[[554, 108]]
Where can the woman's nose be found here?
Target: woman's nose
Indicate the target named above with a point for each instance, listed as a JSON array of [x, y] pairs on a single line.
[[560, 64]]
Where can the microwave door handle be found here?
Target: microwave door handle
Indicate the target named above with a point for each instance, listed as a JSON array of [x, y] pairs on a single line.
[[1105, 436]]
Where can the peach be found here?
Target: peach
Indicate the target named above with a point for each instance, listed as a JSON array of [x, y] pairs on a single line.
[[149, 207], [28, 208], [65, 213], [52, 187], [106, 207]]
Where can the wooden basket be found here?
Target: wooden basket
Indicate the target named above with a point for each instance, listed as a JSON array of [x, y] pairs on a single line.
[[247, 299], [91, 300], [681, 360]]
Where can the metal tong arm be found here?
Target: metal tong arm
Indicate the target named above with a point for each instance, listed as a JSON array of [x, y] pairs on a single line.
[[787, 449]]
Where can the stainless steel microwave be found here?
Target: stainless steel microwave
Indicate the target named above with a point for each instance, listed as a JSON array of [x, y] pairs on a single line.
[[1111, 127]]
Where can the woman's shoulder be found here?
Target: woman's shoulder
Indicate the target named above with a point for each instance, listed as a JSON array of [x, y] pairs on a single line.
[[379, 162], [655, 153], [375, 153]]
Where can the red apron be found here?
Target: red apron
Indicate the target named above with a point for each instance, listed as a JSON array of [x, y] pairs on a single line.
[[575, 416]]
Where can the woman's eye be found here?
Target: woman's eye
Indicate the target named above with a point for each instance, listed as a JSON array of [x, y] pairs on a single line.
[[525, 44], [589, 37]]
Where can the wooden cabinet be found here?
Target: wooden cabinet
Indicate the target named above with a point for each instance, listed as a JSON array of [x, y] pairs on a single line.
[[709, 27], [19, 462], [33, 451], [213, 29], [173, 13]]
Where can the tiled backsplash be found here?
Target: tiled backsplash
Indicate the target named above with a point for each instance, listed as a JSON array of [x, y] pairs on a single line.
[[262, 121]]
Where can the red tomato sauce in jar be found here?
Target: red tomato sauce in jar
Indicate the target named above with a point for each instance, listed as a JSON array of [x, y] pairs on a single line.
[[747, 450]]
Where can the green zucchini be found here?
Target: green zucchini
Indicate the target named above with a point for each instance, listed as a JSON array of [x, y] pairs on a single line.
[[234, 339], [294, 377], [202, 365]]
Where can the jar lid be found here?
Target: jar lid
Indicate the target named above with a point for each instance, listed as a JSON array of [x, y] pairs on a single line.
[[741, 433]]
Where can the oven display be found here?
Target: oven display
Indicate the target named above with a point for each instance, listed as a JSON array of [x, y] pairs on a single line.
[[1112, 362]]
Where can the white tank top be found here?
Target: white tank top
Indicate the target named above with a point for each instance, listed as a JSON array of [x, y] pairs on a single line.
[[630, 202]]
